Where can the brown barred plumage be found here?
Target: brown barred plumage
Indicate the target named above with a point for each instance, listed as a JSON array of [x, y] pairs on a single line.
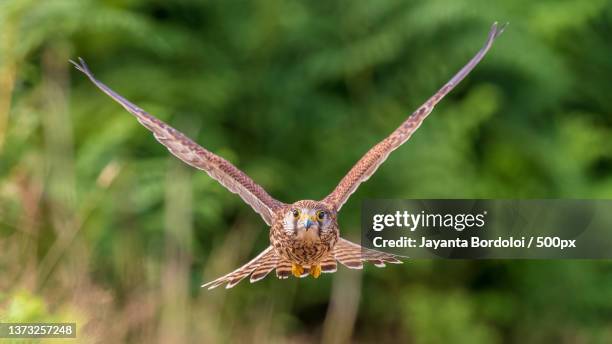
[[257, 267], [352, 255], [283, 269], [328, 264], [307, 243]]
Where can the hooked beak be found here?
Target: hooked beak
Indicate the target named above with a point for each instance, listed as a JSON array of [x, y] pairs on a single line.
[[309, 221]]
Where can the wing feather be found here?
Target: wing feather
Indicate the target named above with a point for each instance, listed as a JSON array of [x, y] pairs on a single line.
[[328, 265], [352, 255], [266, 265], [283, 269], [370, 162], [257, 267], [193, 154]]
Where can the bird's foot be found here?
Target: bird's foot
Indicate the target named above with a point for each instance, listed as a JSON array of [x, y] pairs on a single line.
[[315, 270], [297, 270]]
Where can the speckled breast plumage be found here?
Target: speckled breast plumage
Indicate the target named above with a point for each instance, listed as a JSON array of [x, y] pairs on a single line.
[[289, 247]]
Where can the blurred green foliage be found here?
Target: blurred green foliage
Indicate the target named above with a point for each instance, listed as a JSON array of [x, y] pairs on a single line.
[[100, 225]]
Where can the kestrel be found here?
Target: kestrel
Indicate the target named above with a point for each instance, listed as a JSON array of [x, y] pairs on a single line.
[[304, 236]]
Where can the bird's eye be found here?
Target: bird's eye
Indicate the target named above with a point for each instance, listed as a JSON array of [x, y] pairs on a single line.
[[320, 214], [295, 212]]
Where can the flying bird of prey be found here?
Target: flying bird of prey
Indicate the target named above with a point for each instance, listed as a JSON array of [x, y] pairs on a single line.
[[304, 236]]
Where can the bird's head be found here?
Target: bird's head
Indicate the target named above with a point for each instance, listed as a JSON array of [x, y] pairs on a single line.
[[308, 220]]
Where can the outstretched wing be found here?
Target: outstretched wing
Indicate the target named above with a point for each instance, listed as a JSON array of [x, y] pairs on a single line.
[[370, 162], [185, 149]]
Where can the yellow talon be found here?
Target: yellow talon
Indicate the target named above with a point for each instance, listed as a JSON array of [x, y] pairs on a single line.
[[297, 270], [315, 271]]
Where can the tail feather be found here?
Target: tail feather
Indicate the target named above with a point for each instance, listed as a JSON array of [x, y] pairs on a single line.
[[258, 268], [352, 255]]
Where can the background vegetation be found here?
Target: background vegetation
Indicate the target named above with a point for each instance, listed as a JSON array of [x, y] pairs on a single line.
[[100, 225]]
